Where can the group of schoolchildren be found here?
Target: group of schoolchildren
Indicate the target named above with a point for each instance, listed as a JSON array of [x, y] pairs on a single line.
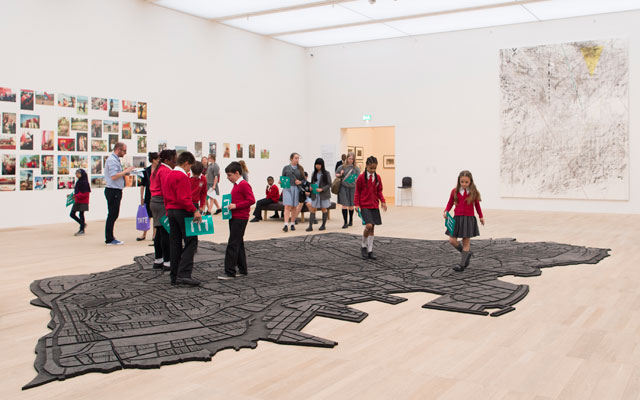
[[179, 190]]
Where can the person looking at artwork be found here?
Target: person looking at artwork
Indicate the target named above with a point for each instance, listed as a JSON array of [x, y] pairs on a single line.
[[114, 178], [291, 195], [176, 189], [213, 191], [145, 189], [81, 195], [321, 197], [272, 196], [347, 188], [161, 243], [245, 170], [339, 163], [368, 196], [241, 201], [465, 197]]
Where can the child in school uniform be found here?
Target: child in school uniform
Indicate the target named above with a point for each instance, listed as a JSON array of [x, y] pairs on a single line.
[[465, 197], [367, 197], [322, 199], [161, 242], [272, 196], [241, 201], [198, 186], [81, 195], [177, 196]]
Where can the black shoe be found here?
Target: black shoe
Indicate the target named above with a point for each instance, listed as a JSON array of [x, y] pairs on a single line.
[[285, 229], [322, 228], [293, 227], [138, 239], [157, 266], [274, 217], [218, 211], [255, 220], [458, 268], [364, 253], [309, 229], [350, 222], [188, 281], [372, 257], [345, 226], [173, 282], [296, 221], [242, 273], [166, 268]]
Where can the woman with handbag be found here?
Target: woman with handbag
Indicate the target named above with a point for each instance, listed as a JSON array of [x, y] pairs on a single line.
[[291, 195], [347, 174]]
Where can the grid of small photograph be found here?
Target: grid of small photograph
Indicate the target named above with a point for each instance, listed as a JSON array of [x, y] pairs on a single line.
[[46, 137]]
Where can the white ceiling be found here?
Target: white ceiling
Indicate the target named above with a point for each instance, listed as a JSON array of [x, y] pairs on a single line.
[[311, 23]]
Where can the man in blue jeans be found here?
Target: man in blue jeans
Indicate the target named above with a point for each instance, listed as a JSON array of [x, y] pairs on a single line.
[[114, 177]]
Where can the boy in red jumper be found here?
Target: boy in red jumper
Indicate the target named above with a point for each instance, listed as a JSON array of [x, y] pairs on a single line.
[[198, 186], [368, 194], [241, 201], [177, 197], [273, 196]]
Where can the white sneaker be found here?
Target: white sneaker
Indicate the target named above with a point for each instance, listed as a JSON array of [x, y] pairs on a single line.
[[115, 242]]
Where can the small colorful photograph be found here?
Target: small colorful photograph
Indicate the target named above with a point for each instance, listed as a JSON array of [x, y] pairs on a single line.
[[128, 106], [162, 145], [126, 130], [114, 108], [80, 124], [213, 148], [99, 103], [96, 128], [98, 145], [227, 150], [44, 98], [43, 183], [82, 105], [82, 142], [26, 179], [48, 138], [180, 149], [264, 154], [139, 162], [8, 122], [7, 95], [30, 161], [66, 144], [63, 126], [29, 121], [26, 99], [140, 128], [66, 100], [96, 165], [46, 167], [80, 162], [66, 182], [142, 110], [113, 139], [252, 151], [8, 164], [238, 151], [142, 144], [126, 162], [63, 165], [197, 149], [26, 141], [7, 142], [7, 184], [98, 182], [111, 126]]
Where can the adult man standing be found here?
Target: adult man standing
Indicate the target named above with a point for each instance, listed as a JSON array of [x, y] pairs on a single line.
[[213, 191], [114, 177]]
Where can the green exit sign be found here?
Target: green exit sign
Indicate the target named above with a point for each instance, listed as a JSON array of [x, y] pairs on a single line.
[[366, 117]]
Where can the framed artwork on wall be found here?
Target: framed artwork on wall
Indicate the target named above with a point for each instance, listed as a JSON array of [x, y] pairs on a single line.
[[351, 149], [389, 162], [359, 153]]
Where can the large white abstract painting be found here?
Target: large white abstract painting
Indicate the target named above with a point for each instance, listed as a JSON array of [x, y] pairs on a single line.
[[565, 119]]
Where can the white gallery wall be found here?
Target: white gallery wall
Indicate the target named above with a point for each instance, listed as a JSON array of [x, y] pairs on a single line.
[[202, 82], [442, 94]]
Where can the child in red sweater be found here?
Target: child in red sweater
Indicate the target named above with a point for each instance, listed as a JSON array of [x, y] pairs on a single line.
[[241, 201], [273, 196], [198, 186], [368, 194], [176, 189], [80, 200], [465, 196]]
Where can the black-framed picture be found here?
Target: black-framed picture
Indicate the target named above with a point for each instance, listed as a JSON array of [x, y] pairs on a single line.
[[389, 162], [359, 153], [351, 149]]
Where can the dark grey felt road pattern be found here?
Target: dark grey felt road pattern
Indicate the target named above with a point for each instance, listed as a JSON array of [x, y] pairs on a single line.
[[131, 317]]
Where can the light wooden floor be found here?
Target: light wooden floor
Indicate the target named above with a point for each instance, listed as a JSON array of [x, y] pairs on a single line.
[[575, 336]]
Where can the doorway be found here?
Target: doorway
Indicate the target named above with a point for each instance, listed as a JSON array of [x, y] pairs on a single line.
[[377, 141]]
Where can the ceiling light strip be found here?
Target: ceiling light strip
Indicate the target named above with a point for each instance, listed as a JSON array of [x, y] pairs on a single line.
[[282, 9], [414, 16]]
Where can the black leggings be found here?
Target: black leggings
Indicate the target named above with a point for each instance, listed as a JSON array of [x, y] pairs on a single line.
[[79, 220]]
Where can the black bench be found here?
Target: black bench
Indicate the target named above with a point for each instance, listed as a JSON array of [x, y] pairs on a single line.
[[280, 207]]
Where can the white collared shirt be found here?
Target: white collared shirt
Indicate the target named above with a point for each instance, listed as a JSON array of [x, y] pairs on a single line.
[[462, 191], [369, 175], [239, 180], [178, 168]]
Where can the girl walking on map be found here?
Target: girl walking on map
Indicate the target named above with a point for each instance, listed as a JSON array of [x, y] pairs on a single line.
[[465, 197], [368, 196]]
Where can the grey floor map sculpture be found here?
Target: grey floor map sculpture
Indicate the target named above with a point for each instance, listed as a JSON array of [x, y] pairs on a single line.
[[565, 121], [131, 317]]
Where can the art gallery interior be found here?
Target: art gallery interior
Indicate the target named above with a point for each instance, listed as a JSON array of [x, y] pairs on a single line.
[[537, 98]]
